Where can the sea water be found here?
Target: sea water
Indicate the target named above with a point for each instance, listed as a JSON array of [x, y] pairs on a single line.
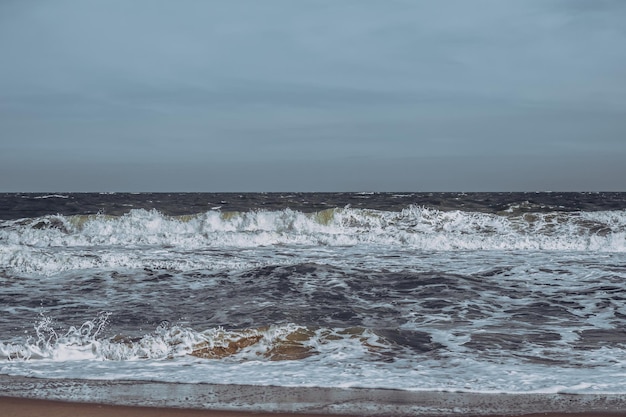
[[494, 292]]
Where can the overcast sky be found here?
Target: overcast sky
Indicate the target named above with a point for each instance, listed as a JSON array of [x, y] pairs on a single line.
[[312, 95]]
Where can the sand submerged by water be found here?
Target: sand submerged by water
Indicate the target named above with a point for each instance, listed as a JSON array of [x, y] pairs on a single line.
[[21, 396]]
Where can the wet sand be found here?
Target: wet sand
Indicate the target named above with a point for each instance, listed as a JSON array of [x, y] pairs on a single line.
[[23, 396], [25, 407]]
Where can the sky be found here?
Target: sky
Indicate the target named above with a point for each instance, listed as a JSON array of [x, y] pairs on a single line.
[[312, 95]]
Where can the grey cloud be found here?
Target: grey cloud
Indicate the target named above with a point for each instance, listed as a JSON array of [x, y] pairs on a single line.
[[249, 84]]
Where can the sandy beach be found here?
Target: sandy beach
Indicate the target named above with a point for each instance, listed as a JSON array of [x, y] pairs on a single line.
[[24, 407], [32, 397]]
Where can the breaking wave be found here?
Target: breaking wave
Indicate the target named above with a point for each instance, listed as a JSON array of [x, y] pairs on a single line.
[[273, 343], [150, 239], [414, 227]]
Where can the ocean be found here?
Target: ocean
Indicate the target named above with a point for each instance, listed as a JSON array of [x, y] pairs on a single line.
[[463, 292]]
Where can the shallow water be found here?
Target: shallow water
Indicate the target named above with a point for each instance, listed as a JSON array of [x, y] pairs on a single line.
[[482, 292]]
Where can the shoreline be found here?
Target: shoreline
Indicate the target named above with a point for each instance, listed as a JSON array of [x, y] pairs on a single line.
[[23, 393], [28, 407]]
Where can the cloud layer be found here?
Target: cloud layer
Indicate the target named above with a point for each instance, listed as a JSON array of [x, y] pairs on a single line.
[[312, 95]]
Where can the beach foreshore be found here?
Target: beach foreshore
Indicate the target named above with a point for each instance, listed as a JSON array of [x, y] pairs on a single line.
[[21, 397], [26, 407]]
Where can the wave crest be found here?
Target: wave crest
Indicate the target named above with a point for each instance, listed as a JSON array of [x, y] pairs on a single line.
[[415, 226], [150, 239], [274, 343]]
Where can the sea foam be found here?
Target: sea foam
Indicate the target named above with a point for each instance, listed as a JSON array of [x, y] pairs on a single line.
[[144, 238], [418, 227]]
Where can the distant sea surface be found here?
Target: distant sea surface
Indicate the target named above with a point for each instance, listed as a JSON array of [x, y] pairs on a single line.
[[477, 292]]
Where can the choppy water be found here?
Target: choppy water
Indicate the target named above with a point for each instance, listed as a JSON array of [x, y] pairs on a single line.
[[505, 292]]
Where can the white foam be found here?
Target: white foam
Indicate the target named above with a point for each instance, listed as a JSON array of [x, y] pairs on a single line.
[[150, 239], [418, 227], [85, 342], [339, 359], [51, 196]]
